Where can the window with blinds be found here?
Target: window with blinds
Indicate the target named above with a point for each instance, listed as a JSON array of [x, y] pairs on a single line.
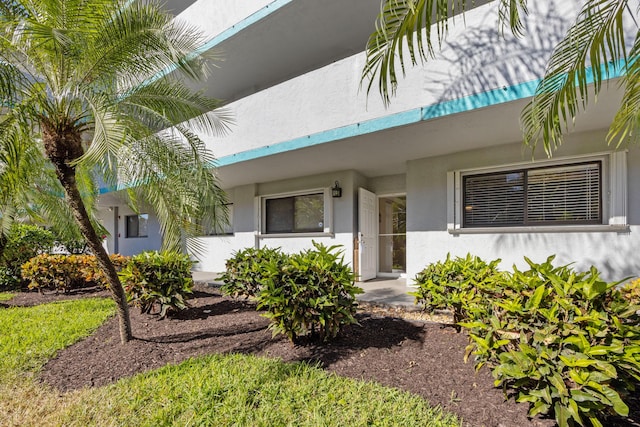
[[569, 194]]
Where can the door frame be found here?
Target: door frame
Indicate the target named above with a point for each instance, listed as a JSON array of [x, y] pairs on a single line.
[[390, 275], [363, 246]]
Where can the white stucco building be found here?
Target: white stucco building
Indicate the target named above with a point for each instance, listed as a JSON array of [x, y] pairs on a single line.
[[441, 170]]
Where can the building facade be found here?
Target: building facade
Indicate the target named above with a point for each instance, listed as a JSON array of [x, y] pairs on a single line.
[[313, 157]]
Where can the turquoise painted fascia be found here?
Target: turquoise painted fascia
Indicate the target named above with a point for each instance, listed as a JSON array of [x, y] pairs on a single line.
[[226, 34], [429, 112], [247, 22]]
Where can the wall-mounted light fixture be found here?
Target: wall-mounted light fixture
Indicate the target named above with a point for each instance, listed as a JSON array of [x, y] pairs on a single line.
[[336, 191]]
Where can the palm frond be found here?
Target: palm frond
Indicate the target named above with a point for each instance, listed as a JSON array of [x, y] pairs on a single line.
[[512, 12], [625, 128], [420, 26], [168, 102], [165, 170], [588, 54], [140, 42]]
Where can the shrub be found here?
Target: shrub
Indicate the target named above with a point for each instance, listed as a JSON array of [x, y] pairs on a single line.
[[23, 242], [631, 292], [93, 273], [63, 273], [247, 271], [161, 279], [565, 341], [8, 279], [461, 285], [311, 293]]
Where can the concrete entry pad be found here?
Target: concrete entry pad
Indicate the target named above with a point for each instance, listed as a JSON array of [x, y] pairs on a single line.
[[388, 292]]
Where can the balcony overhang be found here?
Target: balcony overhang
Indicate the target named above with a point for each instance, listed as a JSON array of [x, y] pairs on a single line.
[[287, 41], [388, 151]]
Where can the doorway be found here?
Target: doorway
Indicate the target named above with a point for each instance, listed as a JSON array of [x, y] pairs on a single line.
[[392, 236]]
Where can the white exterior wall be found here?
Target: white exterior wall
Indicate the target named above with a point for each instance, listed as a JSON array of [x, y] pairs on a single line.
[[248, 217], [613, 253], [215, 16], [476, 59], [219, 248], [117, 229]]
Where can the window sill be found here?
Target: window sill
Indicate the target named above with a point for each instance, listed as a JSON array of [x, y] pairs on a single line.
[[617, 228], [280, 235]]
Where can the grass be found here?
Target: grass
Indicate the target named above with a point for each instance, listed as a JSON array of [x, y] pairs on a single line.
[[5, 296], [32, 335], [220, 390]]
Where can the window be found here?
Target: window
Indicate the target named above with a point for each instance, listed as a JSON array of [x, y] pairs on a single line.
[[209, 227], [540, 196], [304, 213], [137, 225]]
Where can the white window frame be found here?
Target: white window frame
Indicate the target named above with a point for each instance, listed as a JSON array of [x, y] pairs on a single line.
[[614, 196], [137, 216], [328, 213]]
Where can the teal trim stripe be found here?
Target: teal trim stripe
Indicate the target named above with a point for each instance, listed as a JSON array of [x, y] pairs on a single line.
[[247, 22], [446, 108], [480, 100], [226, 34]]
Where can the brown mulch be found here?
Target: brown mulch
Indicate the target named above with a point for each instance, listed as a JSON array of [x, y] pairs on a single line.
[[424, 358]]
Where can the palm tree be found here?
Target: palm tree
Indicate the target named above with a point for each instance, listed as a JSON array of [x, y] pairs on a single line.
[[594, 47], [29, 189], [97, 87]]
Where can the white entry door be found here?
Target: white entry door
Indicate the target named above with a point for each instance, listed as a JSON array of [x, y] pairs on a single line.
[[367, 235]]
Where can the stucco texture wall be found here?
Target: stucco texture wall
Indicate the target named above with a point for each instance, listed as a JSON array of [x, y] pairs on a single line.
[[614, 253]]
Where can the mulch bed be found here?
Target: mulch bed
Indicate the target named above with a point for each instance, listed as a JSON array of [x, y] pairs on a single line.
[[424, 358]]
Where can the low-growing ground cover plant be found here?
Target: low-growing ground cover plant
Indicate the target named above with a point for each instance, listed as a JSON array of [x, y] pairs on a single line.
[[215, 390], [158, 280], [4, 296], [564, 341], [31, 335]]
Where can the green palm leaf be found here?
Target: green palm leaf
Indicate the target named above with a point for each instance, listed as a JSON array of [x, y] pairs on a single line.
[[98, 87], [423, 25], [626, 124], [596, 39]]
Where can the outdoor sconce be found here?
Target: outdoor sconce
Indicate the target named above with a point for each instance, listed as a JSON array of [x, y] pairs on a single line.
[[336, 191]]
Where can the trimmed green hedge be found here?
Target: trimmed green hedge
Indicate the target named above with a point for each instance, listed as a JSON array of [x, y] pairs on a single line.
[[158, 282], [563, 341], [311, 293]]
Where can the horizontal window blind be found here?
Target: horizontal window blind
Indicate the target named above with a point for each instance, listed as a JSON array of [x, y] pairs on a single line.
[[494, 200], [542, 196], [564, 195]]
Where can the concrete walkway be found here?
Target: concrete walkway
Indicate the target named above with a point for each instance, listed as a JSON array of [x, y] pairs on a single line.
[[384, 291]]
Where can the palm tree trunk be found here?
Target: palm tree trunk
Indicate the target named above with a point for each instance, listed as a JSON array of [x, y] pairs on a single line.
[[3, 244], [66, 175]]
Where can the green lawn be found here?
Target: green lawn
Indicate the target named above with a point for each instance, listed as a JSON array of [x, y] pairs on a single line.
[[4, 296], [216, 390]]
